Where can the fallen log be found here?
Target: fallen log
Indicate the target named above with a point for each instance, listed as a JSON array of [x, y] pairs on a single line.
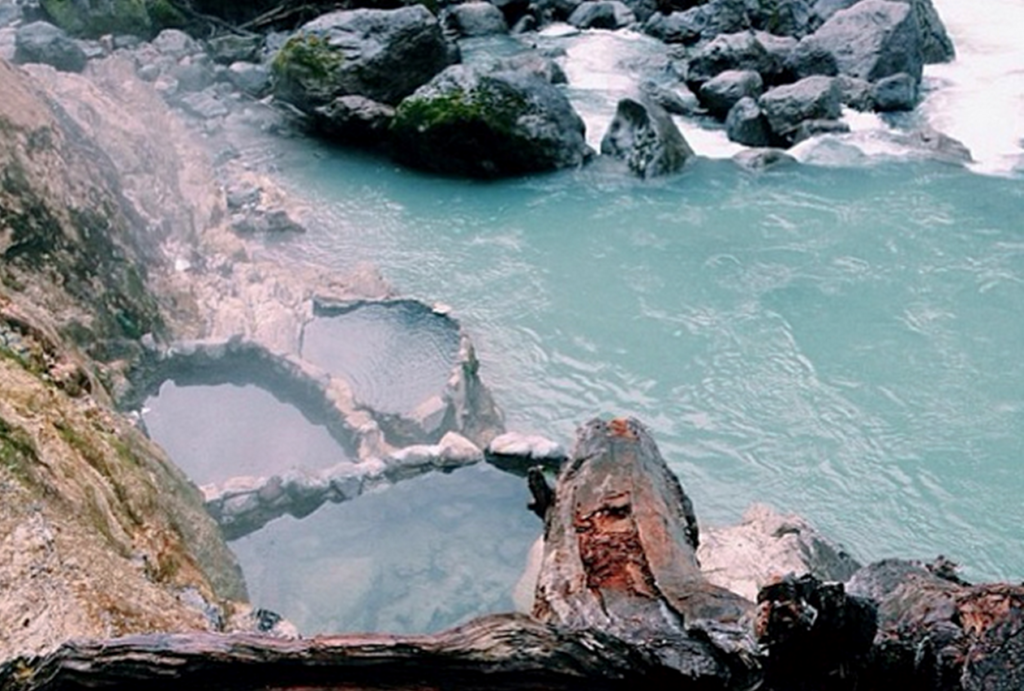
[[620, 601]]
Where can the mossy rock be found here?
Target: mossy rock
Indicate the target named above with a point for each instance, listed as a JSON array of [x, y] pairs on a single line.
[[304, 68], [472, 124], [94, 19]]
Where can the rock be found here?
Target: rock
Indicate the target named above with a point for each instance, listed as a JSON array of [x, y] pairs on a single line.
[[782, 17], [779, 49], [10, 13], [354, 120], [467, 122], [176, 44], [517, 453], [232, 48], [676, 100], [95, 19], [738, 51], [383, 55], [936, 45], [937, 146], [811, 58], [697, 23], [813, 127], [642, 9], [41, 42], [762, 159], [249, 78], [822, 10], [746, 124], [767, 545], [870, 40], [475, 19], [602, 14], [812, 98], [723, 91], [644, 135], [192, 74], [855, 93], [898, 92]]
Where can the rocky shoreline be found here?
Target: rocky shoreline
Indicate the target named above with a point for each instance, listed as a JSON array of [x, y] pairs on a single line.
[[153, 272]]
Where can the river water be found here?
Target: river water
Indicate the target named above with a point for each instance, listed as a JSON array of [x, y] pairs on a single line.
[[841, 338]]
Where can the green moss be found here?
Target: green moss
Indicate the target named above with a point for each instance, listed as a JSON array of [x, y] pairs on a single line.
[[306, 57], [164, 15], [494, 108], [96, 19]]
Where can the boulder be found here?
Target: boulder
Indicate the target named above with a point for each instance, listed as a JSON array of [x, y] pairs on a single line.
[[44, 43], [763, 159], [488, 124], [176, 44], [553, 10], [779, 49], [870, 40], [703, 22], [737, 51], [475, 19], [767, 544], [383, 55], [721, 93], [677, 100], [602, 14], [354, 120], [746, 124], [855, 93], [250, 78], [815, 126], [95, 19], [898, 92], [810, 58], [644, 135], [232, 48], [782, 17], [811, 98], [643, 9], [936, 45]]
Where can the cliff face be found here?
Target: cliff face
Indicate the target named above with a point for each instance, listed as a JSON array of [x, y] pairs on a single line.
[[99, 534]]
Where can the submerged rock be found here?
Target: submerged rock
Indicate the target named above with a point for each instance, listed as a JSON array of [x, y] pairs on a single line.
[[488, 124], [383, 55], [644, 135]]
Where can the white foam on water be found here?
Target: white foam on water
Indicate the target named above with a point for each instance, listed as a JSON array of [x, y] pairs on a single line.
[[979, 97]]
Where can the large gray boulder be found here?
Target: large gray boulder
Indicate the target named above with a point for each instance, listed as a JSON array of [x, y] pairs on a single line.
[[383, 55], [602, 14], [871, 40], [475, 19], [746, 124], [643, 134], [702, 22], [936, 45], [813, 98], [736, 51], [44, 43], [898, 92], [720, 94], [473, 123]]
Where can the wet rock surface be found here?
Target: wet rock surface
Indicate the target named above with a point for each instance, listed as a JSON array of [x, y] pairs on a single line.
[[644, 136]]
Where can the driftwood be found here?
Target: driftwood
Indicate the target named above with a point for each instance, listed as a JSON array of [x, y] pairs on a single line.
[[619, 602]]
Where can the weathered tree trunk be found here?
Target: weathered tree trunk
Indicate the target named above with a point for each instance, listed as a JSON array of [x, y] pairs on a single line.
[[620, 603]]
